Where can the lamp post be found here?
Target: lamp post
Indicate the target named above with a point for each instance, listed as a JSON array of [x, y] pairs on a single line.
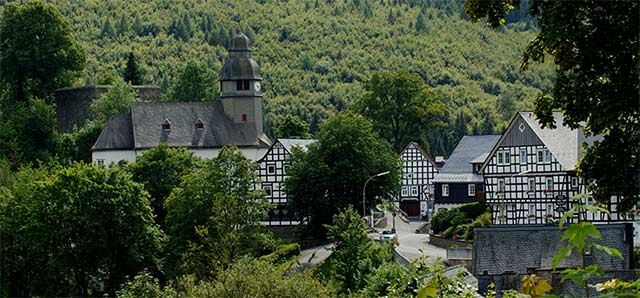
[[364, 193]]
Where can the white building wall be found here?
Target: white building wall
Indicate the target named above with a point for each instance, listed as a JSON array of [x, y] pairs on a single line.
[[107, 157], [115, 156]]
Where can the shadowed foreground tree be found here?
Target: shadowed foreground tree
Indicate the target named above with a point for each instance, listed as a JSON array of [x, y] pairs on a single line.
[[195, 82], [595, 46], [401, 107], [330, 175], [212, 212], [292, 126], [76, 231]]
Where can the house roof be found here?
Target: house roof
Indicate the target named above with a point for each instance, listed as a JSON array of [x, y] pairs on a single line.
[[290, 143], [564, 142], [144, 126], [470, 149]]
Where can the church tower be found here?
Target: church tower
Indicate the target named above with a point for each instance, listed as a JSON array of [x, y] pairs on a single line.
[[240, 88]]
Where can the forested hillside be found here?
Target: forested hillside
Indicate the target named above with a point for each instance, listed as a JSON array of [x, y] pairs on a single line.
[[316, 54]]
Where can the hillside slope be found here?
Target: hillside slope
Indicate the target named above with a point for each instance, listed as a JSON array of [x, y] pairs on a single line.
[[315, 54]]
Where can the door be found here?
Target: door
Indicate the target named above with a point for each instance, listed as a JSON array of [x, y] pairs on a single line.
[[410, 207]]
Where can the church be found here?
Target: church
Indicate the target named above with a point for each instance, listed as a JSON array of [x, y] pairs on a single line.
[[202, 127]]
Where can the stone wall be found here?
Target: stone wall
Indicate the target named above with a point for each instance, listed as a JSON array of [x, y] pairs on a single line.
[[518, 248], [72, 104], [447, 243]]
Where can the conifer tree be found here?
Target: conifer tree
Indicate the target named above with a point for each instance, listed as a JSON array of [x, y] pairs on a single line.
[[132, 73]]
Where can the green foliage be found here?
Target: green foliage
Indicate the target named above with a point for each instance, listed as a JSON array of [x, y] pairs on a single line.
[[458, 216], [594, 45], [115, 101], [38, 53], [355, 255], [401, 107], [33, 126], [144, 286], [330, 175], [160, 170], [76, 231], [132, 74], [282, 253], [291, 126], [214, 208], [194, 82]]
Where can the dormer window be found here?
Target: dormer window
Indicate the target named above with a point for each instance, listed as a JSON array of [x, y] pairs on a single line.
[[199, 124], [242, 85], [166, 125]]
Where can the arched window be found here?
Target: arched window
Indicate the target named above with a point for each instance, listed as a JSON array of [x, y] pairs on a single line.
[[166, 125]]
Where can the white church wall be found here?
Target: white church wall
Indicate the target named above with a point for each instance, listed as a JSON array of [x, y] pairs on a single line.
[[108, 156]]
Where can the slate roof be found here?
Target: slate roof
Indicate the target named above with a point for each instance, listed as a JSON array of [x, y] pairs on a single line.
[[290, 143], [564, 142], [142, 128], [470, 149]]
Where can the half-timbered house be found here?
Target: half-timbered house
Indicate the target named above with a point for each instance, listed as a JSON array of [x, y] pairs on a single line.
[[459, 181], [530, 174], [272, 171], [418, 171]]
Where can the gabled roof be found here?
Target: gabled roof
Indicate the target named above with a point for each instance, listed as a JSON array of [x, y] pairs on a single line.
[[144, 125], [290, 143], [470, 149], [422, 151]]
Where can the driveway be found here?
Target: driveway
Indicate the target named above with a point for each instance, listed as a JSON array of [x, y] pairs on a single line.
[[412, 245]]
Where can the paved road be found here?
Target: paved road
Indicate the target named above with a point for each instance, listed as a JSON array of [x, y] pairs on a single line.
[[413, 245], [312, 256]]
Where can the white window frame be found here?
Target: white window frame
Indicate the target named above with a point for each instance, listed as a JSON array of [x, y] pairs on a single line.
[[414, 190], [405, 191], [543, 156], [445, 190], [523, 156], [507, 158], [547, 184], [471, 190], [271, 169], [532, 209], [574, 182], [268, 189], [502, 183], [500, 158], [531, 184]]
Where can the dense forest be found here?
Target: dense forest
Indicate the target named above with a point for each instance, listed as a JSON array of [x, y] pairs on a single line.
[[316, 54]]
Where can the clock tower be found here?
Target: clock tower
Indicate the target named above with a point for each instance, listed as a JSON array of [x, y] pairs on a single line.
[[240, 88]]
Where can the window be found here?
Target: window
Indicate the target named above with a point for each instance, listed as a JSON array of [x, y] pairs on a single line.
[[500, 158], [199, 125], [574, 182], [100, 162], [531, 184], [523, 156], [405, 192], [445, 190], [267, 189], [471, 190], [166, 125], [504, 158], [242, 85], [549, 184], [414, 190], [244, 117], [532, 210], [501, 187], [271, 169], [507, 158], [544, 156]]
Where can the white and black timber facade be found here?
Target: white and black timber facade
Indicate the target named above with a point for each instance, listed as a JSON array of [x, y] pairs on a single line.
[[272, 171], [418, 171], [531, 173]]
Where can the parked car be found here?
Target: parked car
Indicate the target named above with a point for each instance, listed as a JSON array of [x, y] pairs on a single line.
[[389, 235]]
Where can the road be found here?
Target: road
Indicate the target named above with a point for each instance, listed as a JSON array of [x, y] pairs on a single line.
[[312, 256], [412, 245]]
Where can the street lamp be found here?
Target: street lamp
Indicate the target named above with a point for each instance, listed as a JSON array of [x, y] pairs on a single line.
[[364, 194]]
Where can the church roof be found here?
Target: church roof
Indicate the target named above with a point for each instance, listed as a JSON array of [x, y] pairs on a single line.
[[240, 42], [143, 128], [239, 65]]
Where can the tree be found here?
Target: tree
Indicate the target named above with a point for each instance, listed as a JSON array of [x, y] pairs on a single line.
[[330, 175], [595, 46], [213, 210], [292, 126], [132, 74], [354, 255], [402, 108], [107, 29], [38, 53], [74, 231], [160, 170], [33, 123], [195, 82], [115, 101]]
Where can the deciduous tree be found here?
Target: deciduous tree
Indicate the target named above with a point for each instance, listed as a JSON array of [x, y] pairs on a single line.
[[195, 82], [115, 101]]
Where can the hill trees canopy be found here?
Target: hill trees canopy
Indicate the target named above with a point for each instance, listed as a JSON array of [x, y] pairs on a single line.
[[316, 55], [595, 46]]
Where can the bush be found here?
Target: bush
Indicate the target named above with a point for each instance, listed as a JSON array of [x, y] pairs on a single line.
[[462, 219], [448, 233], [282, 253], [482, 221]]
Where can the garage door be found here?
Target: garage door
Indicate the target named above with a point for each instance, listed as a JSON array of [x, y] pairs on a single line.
[[410, 207]]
